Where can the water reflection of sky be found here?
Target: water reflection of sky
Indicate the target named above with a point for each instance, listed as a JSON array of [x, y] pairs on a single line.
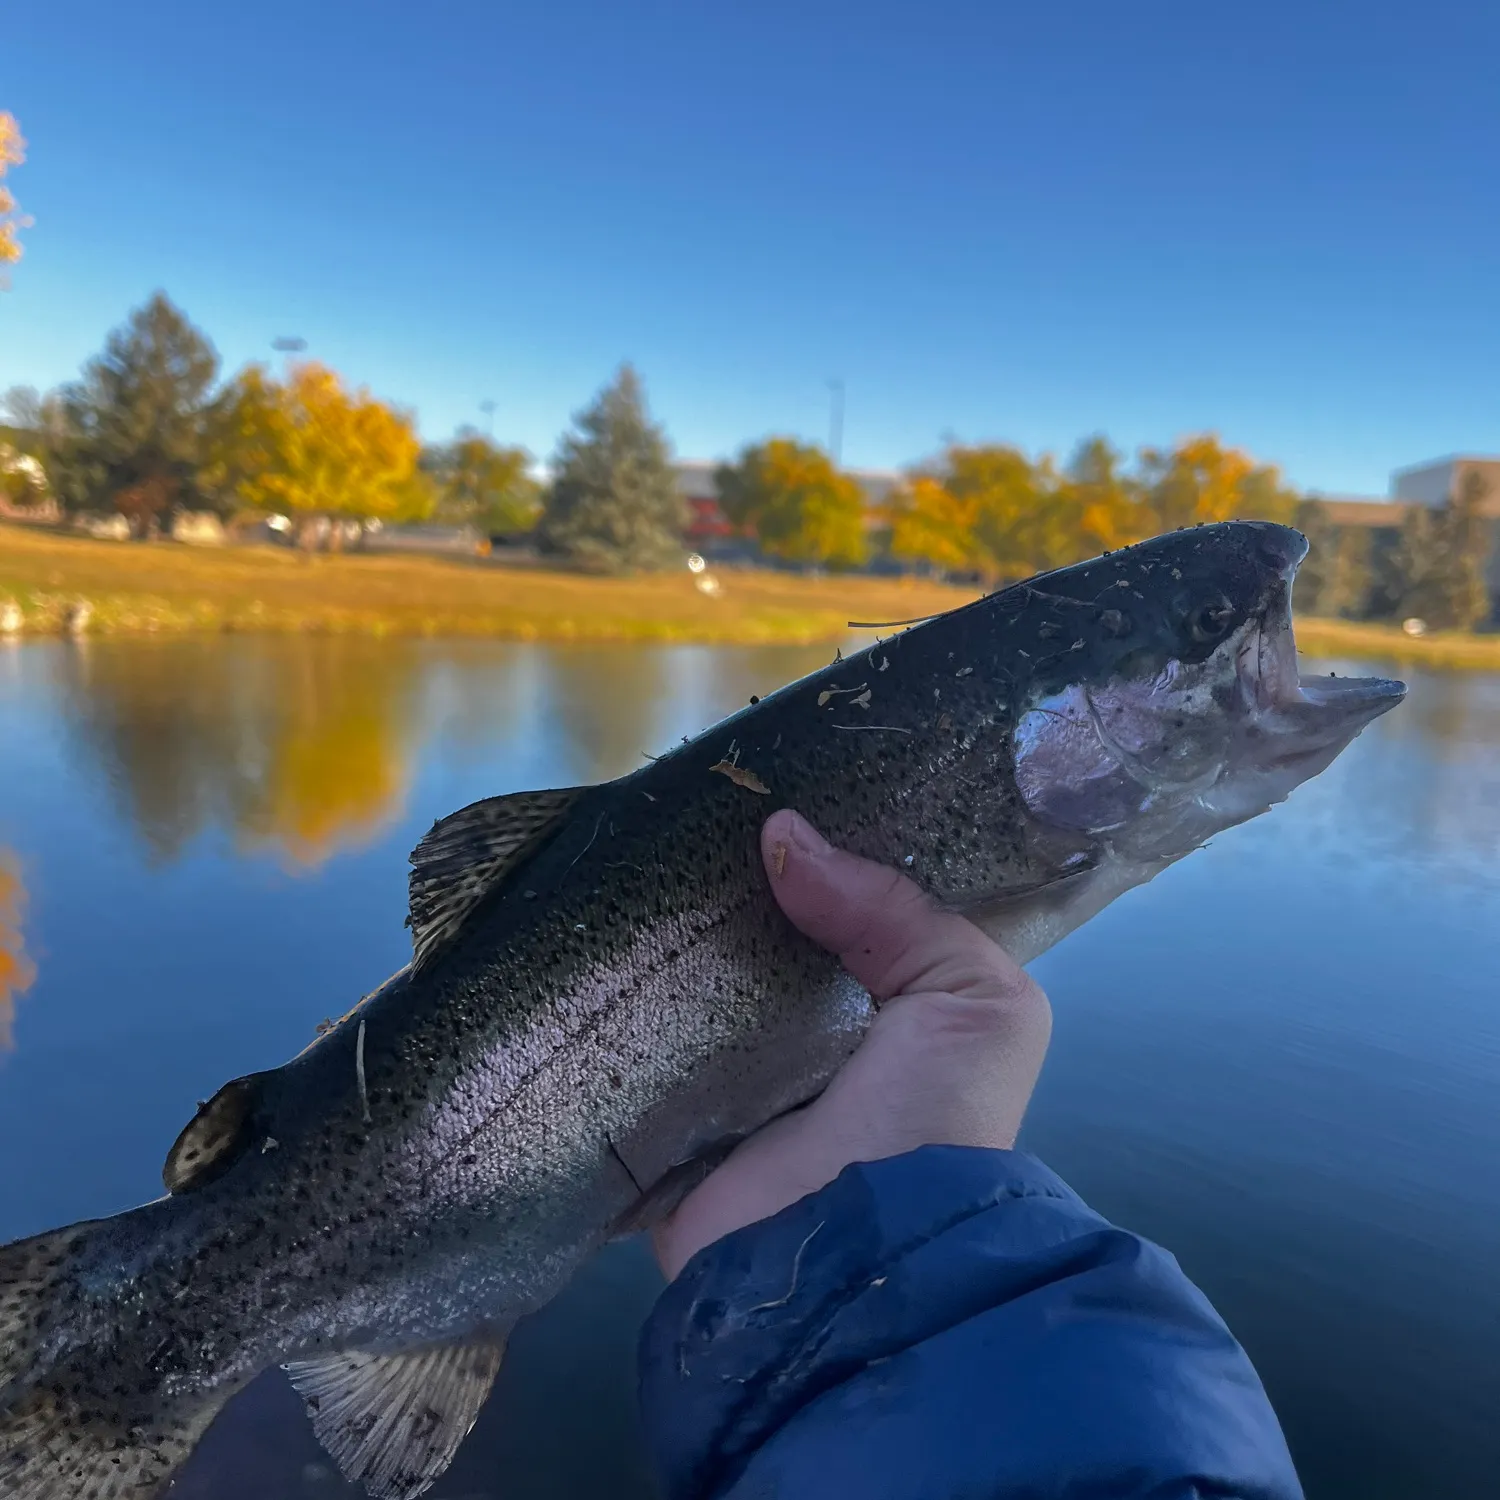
[[1282, 1058]]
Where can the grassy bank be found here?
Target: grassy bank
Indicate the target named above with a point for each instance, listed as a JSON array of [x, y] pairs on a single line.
[[158, 587], [1443, 650], [132, 588]]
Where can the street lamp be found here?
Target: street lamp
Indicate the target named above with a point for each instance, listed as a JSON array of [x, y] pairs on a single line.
[[836, 421], [488, 408], [288, 347]]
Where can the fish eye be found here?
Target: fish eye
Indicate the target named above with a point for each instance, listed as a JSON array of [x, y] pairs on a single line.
[[1211, 621]]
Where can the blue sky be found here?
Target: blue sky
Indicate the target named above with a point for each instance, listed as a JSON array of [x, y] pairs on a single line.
[[1278, 221]]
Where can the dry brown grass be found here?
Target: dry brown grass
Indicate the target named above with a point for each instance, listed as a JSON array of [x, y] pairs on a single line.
[[162, 586], [1443, 650]]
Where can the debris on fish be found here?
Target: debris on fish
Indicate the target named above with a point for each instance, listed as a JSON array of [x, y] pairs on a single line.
[[741, 776], [604, 997]]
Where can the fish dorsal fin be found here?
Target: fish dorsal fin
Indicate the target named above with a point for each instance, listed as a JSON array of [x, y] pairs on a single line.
[[392, 1422], [465, 854]]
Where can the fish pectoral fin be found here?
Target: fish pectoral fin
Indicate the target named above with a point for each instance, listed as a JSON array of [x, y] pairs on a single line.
[[467, 853], [392, 1422], [663, 1198]]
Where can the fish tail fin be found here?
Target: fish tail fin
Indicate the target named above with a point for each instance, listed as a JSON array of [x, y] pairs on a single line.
[[71, 1426]]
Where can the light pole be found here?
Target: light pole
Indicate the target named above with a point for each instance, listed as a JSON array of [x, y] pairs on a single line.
[[836, 421], [488, 408]]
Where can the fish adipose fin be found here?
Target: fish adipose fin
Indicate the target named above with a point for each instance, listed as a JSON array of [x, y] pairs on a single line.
[[393, 1422], [466, 854], [215, 1138], [68, 1429]]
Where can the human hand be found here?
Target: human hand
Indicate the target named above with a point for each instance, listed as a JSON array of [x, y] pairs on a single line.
[[951, 1059]]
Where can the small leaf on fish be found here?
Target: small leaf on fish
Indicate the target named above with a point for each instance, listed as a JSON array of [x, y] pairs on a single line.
[[741, 776]]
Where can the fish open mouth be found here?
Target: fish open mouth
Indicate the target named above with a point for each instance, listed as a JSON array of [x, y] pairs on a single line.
[[1316, 707]]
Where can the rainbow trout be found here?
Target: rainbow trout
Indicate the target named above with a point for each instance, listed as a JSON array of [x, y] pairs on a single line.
[[603, 997]]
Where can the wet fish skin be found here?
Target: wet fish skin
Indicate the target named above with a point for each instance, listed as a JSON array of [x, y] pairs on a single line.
[[626, 999]]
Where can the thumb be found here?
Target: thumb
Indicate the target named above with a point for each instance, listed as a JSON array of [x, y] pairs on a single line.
[[885, 930]]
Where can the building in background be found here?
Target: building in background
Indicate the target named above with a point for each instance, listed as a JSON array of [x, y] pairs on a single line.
[[1433, 484], [1443, 479], [709, 532]]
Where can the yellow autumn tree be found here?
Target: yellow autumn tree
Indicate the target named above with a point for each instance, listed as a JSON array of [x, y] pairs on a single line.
[[986, 509], [312, 447], [1103, 503], [798, 505], [1202, 480], [12, 154], [930, 524]]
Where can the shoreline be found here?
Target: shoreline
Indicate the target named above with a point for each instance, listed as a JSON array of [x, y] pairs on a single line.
[[65, 584]]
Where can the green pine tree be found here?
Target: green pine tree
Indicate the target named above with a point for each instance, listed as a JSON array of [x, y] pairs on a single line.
[[1467, 538], [132, 434], [1440, 561], [1335, 581], [614, 505]]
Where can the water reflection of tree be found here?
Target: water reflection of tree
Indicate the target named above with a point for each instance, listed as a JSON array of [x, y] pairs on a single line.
[[297, 745], [612, 705], [162, 718], [480, 697], [739, 673], [606, 705], [337, 754], [16, 970]]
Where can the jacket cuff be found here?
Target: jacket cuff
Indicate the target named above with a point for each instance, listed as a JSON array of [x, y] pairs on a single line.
[[950, 1321]]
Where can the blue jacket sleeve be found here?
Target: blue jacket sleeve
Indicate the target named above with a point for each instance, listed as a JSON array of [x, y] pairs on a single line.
[[950, 1323]]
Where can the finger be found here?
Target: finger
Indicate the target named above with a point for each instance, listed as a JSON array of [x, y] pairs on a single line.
[[887, 933]]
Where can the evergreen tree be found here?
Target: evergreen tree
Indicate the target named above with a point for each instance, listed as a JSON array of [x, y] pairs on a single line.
[[132, 433], [614, 504], [1335, 580], [1468, 544], [1441, 558]]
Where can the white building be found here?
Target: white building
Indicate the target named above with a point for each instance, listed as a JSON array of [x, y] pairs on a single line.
[[1442, 479]]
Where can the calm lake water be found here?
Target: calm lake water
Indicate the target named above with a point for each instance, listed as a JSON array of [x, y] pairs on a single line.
[[1281, 1059]]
